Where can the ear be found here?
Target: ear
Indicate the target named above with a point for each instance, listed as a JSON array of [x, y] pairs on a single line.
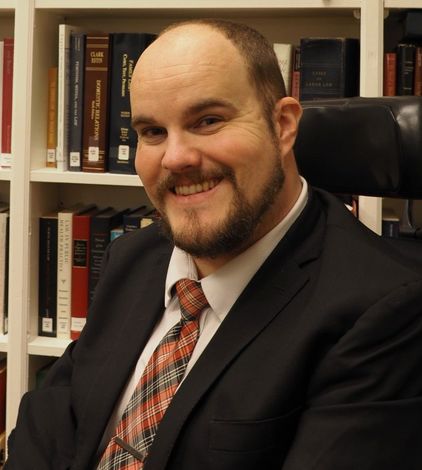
[[287, 114]]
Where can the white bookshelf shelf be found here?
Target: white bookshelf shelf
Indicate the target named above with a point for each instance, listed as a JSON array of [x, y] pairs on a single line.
[[51, 175], [5, 174], [43, 346]]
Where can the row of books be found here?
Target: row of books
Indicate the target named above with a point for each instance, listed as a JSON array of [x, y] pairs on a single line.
[[403, 71], [89, 123], [320, 68], [72, 242], [6, 93]]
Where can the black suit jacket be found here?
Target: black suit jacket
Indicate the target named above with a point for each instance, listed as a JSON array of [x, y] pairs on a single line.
[[318, 365]]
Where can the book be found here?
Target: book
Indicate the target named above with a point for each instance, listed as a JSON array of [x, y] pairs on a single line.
[[149, 218], [96, 97], [51, 118], [101, 226], [405, 68], [6, 280], [329, 68], [116, 232], [412, 25], [4, 225], [80, 270], [284, 53], [132, 219], [76, 85], [390, 74], [7, 103], [47, 275], [63, 72], [64, 267], [3, 382], [126, 49], [296, 73], [1, 89], [417, 81]]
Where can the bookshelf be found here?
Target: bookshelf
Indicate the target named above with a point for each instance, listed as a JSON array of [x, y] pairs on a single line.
[[34, 190]]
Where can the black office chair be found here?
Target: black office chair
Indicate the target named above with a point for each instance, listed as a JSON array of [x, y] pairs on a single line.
[[370, 147]]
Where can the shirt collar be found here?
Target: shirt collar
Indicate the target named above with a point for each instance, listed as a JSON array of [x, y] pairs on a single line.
[[224, 286]]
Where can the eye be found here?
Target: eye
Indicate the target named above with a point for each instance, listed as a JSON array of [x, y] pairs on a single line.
[[208, 121], [152, 135]]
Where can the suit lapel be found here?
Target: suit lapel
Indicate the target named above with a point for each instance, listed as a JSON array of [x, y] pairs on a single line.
[[279, 279], [120, 360]]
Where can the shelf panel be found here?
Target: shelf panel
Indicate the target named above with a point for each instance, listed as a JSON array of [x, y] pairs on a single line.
[[5, 174], [402, 4], [43, 346], [195, 4], [51, 175]]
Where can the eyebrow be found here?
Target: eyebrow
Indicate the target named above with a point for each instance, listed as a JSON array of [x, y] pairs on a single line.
[[194, 108]]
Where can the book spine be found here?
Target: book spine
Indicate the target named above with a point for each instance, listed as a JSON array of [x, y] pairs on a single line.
[[64, 274], [80, 273], [126, 49], [99, 240], [3, 246], [284, 53], [329, 68], [52, 118], [417, 87], [47, 289], [63, 97], [6, 281], [6, 123], [405, 69], [96, 90], [77, 60], [390, 74], [1, 91], [296, 73]]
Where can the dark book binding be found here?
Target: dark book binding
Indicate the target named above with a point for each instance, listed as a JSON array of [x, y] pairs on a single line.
[[96, 97], [329, 68], [406, 55], [101, 225], [126, 49], [47, 278], [132, 220], [76, 66]]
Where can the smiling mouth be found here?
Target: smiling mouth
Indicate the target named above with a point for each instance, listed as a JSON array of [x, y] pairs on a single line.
[[188, 190]]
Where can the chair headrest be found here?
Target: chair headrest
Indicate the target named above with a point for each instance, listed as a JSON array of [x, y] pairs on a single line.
[[365, 146]]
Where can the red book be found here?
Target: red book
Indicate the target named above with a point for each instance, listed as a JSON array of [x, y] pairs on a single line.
[[296, 73], [6, 128], [80, 270], [390, 74], [418, 72]]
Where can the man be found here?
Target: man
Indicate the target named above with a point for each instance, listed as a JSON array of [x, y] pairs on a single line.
[[310, 341]]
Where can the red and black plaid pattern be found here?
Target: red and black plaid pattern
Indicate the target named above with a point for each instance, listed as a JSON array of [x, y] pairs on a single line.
[[160, 379]]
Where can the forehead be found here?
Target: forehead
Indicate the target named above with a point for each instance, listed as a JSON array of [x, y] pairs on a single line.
[[190, 57]]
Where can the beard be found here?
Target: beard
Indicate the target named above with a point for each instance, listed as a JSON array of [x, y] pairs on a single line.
[[236, 231]]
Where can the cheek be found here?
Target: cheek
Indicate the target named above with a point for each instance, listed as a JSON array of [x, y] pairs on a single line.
[[147, 166]]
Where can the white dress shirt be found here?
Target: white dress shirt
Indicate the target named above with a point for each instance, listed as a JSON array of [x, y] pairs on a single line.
[[221, 288]]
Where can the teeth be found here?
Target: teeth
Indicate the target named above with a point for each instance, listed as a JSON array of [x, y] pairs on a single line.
[[194, 188]]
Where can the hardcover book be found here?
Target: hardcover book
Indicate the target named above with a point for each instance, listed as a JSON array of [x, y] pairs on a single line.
[[80, 270], [4, 228], [77, 66], [405, 68], [390, 74], [101, 226], [126, 49], [329, 68], [62, 152], [52, 118], [64, 267], [284, 53], [132, 220], [417, 85], [296, 73], [47, 275], [96, 97], [7, 102]]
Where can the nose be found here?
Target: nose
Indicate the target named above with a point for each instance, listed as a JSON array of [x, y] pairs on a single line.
[[181, 153]]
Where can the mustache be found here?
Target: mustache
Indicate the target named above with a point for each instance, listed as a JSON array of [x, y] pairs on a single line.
[[169, 182]]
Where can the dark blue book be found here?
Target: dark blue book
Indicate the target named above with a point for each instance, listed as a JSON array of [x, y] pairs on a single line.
[[100, 236], [126, 49], [132, 220], [76, 83]]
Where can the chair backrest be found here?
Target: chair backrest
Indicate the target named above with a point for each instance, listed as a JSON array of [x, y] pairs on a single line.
[[365, 146]]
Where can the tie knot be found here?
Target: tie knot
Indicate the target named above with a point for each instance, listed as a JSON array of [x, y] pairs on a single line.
[[191, 297]]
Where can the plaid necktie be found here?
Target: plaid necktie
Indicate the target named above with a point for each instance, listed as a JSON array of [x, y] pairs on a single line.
[[136, 430]]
